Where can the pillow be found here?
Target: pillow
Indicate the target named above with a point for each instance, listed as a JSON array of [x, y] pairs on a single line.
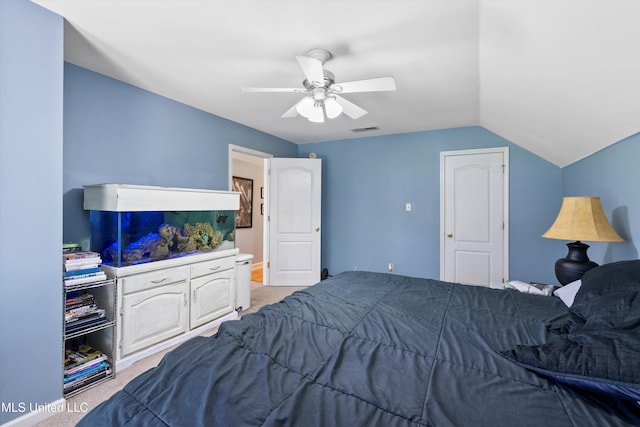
[[608, 277], [609, 295], [568, 292], [606, 361]]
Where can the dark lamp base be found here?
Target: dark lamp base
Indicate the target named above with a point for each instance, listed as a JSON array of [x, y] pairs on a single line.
[[575, 264]]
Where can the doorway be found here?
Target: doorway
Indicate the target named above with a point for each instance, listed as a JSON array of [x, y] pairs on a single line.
[[474, 216], [249, 164]]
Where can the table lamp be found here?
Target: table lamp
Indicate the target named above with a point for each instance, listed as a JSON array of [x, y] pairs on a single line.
[[580, 218]]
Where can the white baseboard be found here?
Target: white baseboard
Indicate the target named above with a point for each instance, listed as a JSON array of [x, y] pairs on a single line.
[[35, 413], [256, 266]]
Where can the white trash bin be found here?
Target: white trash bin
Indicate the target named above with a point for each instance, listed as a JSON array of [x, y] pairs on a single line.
[[243, 281]]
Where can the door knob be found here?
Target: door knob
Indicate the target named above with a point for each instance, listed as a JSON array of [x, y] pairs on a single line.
[[449, 235]]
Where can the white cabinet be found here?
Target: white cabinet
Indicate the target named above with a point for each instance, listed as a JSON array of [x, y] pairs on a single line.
[[154, 315], [212, 290], [166, 302]]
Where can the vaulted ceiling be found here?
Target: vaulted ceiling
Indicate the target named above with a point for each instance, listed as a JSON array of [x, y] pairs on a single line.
[[560, 78]]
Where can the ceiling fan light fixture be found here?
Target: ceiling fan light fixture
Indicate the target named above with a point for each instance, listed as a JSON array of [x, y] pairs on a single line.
[[317, 114], [322, 93], [311, 109], [305, 107], [332, 108]]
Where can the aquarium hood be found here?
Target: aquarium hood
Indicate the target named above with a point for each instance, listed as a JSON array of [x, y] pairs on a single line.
[[136, 198]]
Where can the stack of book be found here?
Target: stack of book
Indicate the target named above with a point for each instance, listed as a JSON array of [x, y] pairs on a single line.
[[83, 366], [82, 267], [81, 312]]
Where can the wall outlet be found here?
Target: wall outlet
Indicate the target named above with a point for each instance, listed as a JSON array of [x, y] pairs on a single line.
[[391, 266], [407, 207]]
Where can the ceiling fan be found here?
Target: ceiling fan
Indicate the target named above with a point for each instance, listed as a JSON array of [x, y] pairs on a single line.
[[322, 92]]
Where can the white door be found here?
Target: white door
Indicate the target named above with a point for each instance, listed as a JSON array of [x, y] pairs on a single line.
[[292, 204], [474, 216]]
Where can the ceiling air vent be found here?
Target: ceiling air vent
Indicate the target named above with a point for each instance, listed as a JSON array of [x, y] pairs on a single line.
[[367, 129]]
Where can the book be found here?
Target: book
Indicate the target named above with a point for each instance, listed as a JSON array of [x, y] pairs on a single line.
[[96, 277], [84, 260], [82, 354], [70, 257], [83, 271], [70, 279], [89, 320], [81, 325], [87, 379], [78, 299], [84, 366], [81, 262], [80, 313], [83, 265], [98, 312], [101, 365]]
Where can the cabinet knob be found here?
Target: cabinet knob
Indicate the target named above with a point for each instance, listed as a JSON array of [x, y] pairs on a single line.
[[449, 235], [317, 229]]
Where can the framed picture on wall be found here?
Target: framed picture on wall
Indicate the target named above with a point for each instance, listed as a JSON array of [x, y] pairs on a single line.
[[244, 216]]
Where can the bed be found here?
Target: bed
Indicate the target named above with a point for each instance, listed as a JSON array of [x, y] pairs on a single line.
[[373, 349]]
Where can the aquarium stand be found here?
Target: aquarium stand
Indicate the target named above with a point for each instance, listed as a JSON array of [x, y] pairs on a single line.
[[172, 254]]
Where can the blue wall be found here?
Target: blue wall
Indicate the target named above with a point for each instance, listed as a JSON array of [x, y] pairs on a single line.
[[118, 133], [366, 183], [114, 132], [31, 108], [613, 174]]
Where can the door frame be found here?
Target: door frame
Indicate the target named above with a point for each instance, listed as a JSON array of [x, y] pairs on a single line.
[[244, 151], [505, 207]]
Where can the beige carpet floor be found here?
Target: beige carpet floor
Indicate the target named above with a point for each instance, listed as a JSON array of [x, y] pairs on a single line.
[[89, 399]]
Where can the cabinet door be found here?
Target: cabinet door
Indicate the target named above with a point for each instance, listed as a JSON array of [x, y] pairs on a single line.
[[212, 296], [154, 315]]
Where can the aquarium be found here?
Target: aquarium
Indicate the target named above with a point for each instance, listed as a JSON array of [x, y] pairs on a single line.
[[132, 225]]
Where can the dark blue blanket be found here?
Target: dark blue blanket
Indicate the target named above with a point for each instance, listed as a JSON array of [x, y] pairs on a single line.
[[366, 349]]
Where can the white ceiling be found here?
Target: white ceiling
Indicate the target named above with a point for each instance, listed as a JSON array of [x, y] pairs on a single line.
[[559, 78]]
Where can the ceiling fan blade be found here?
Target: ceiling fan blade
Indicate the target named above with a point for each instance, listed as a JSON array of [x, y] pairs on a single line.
[[380, 84], [292, 112], [273, 89], [350, 109], [312, 69]]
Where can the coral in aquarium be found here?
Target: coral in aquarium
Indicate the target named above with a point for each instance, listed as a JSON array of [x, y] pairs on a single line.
[[170, 240], [141, 249]]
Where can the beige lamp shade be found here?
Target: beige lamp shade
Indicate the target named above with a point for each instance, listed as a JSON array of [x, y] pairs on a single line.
[[582, 218]]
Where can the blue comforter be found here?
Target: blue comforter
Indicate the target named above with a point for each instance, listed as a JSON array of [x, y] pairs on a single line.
[[366, 349]]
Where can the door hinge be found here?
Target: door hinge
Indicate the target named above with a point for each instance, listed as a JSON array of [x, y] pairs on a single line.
[[268, 264]]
